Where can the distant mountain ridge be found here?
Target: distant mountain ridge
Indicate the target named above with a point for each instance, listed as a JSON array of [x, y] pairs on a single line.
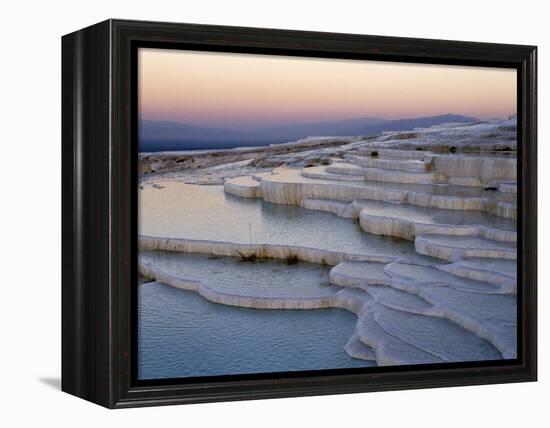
[[419, 122], [166, 135]]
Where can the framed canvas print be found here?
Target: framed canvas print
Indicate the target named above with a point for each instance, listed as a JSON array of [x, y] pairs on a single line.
[[253, 213]]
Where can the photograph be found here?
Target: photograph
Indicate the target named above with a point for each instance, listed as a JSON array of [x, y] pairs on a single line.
[[310, 214], [275, 214]]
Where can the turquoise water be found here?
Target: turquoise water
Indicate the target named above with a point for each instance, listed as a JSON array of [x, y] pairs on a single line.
[[180, 334], [183, 335], [191, 211], [261, 278]]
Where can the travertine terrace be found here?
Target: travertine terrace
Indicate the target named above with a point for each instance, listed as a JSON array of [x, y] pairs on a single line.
[[450, 190]]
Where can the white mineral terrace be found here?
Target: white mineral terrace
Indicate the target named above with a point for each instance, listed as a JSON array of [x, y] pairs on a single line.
[[451, 190]]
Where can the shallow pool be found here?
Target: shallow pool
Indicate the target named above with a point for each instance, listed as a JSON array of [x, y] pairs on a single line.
[[180, 334], [179, 210], [259, 278]]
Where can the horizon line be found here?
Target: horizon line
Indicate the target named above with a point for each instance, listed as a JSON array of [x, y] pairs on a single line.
[[320, 121]]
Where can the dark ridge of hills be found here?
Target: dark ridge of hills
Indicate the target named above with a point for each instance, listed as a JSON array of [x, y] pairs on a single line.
[[165, 135]]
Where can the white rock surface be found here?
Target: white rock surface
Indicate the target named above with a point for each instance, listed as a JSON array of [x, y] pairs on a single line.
[[344, 168], [451, 189], [323, 173], [397, 176], [288, 186], [478, 170], [392, 163], [357, 349], [408, 223], [508, 187], [502, 273], [427, 291], [246, 187], [256, 250], [454, 248]]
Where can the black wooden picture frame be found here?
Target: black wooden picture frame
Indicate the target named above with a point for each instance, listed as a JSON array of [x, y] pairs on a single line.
[[99, 230]]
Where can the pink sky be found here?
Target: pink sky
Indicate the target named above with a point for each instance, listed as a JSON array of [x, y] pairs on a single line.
[[245, 90]]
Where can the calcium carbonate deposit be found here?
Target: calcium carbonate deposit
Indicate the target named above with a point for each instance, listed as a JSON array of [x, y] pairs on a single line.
[[414, 233]]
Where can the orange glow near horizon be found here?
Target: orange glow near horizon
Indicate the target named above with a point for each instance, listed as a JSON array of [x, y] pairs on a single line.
[[249, 90]]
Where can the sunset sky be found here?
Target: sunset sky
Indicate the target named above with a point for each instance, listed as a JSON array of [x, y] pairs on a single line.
[[247, 91]]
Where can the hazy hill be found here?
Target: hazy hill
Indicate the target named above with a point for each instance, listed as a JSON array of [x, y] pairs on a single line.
[[164, 135], [407, 124], [164, 130]]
